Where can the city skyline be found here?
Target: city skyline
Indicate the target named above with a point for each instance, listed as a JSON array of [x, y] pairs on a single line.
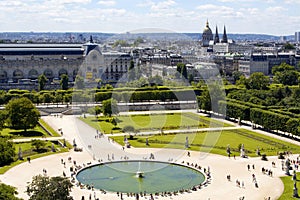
[[272, 17]]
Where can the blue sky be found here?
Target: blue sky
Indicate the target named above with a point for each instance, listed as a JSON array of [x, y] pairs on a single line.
[[119, 16]]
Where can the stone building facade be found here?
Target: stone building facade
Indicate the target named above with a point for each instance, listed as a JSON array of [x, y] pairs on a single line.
[[20, 63]]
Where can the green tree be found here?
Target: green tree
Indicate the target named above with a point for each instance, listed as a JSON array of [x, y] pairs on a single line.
[[46, 97], [49, 188], [98, 110], [3, 117], [79, 82], [287, 77], [210, 97], [242, 81], [295, 96], [237, 75], [204, 101], [58, 98], [64, 81], [258, 81], [38, 144], [7, 151], [8, 192], [281, 68], [109, 107], [42, 80], [21, 114]]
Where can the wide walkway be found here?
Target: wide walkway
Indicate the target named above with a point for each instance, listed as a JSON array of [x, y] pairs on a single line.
[[95, 149]]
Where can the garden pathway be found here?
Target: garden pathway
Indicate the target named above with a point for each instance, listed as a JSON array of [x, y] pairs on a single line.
[[95, 148]]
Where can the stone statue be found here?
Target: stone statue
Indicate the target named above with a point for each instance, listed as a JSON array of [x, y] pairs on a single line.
[[228, 151], [242, 151], [52, 148], [258, 151], [187, 142], [20, 154], [295, 190]]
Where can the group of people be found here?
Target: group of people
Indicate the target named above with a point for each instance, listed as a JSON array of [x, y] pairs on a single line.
[[249, 167], [267, 171], [240, 183]]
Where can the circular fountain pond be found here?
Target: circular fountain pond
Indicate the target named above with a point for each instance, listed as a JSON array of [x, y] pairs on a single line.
[[140, 176]]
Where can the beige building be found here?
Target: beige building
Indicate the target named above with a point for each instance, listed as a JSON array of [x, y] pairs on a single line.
[[249, 67], [25, 62]]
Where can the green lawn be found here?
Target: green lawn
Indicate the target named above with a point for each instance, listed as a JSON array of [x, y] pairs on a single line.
[[38, 131], [27, 150], [216, 142], [152, 122], [288, 187], [49, 128]]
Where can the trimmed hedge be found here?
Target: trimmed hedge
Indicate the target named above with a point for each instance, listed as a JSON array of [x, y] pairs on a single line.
[[268, 119], [234, 110]]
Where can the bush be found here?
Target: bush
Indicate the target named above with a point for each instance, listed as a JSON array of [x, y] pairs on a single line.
[[128, 129]]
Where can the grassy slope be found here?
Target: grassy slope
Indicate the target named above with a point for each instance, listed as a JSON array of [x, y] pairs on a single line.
[[288, 188], [155, 121], [216, 142]]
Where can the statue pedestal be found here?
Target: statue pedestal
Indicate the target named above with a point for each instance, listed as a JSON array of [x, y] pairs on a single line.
[[295, 194]]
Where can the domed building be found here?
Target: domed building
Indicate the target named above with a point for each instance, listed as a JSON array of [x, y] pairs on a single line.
[[207, 35]]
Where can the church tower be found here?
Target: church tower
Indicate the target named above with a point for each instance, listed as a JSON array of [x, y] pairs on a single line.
[[224, 40], [207, 35], [217, 39]]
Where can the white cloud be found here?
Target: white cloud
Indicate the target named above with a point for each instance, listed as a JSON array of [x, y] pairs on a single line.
[[239, 1], [100, 15], [11, 3], [107, 3], [71, 1], [163, 5], [218, 11], [292, 1], [274, 10]]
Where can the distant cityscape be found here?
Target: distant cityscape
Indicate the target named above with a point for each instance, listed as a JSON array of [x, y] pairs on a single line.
[[102, 58], [79, 37]]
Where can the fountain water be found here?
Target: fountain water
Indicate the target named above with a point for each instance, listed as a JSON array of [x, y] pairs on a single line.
[[139, 173], [139, 176]]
